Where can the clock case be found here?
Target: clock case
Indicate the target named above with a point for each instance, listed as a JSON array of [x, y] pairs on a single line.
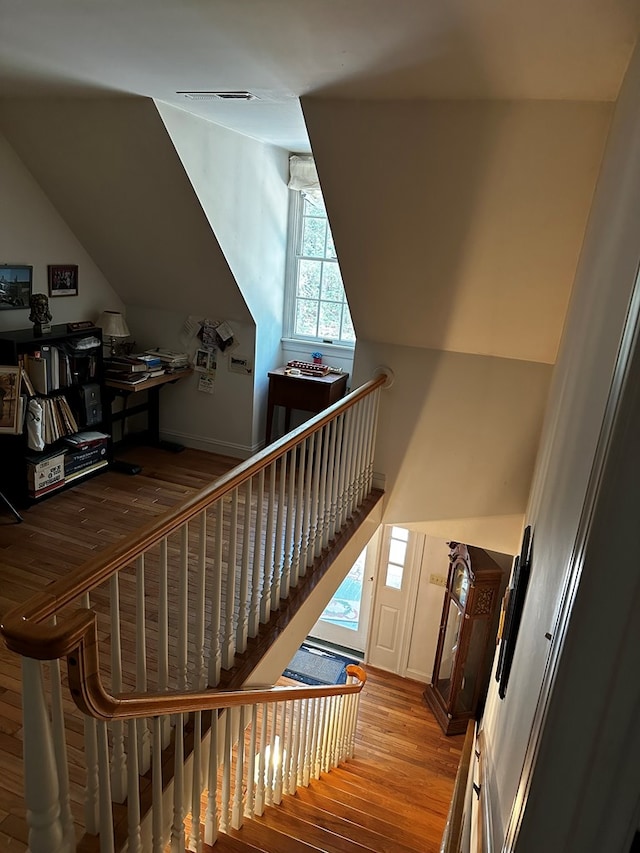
[[466, 641]]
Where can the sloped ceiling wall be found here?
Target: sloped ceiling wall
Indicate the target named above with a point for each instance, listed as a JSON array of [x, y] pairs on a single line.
[[458, 227], [111, 170]]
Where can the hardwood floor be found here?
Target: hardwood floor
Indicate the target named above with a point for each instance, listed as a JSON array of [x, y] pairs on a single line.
[[64, 531]]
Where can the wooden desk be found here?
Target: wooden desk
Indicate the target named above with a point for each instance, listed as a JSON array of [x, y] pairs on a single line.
[[151, 406], [307, 393]]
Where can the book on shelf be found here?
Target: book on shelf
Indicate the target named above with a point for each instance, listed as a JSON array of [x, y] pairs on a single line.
[[86, 438], [36, 367], [169, 358]]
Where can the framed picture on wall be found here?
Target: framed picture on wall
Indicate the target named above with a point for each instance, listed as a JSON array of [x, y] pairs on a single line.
[[9, 398], [15, 285], [515, 606], [63, 280]]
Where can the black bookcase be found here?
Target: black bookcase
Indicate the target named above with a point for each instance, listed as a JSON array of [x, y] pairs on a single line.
[[28, 475]]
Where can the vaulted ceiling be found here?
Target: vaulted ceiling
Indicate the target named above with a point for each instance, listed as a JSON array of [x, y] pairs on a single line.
[[281, 50]]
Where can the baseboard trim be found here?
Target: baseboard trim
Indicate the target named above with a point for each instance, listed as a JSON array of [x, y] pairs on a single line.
[[222, 448]]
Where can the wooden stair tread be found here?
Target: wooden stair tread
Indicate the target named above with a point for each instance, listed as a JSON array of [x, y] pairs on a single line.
[[270, 839], [381, 821], [304, 830], [350, 828], [231, 844]]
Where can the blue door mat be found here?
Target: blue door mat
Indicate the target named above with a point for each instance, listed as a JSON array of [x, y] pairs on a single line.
[[315, 666]]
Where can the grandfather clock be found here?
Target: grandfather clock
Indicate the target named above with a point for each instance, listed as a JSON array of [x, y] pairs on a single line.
[[466, 642]]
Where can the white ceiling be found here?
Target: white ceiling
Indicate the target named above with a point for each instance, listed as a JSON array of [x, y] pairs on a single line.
[[284, 49]]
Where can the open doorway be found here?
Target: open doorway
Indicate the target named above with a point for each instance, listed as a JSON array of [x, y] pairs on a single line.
[[345, 620]]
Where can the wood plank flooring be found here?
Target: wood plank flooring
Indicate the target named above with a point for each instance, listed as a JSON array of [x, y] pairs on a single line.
[[61, 533]]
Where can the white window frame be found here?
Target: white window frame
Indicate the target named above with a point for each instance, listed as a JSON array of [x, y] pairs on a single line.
[[294, 236]]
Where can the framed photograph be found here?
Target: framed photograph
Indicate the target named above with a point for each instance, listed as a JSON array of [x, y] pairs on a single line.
[[513, 615], [63, 280], [204, 360], [15, 286], [9, 399]]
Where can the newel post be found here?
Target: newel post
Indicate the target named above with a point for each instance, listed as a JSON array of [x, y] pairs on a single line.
[[40, 774]]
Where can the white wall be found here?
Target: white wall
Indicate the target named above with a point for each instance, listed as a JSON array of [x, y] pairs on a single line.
[[604, 281], [32, 232], [457, 438], [458, 225], [242, 186]]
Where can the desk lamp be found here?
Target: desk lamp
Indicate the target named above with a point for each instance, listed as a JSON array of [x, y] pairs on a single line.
[[113, 326]]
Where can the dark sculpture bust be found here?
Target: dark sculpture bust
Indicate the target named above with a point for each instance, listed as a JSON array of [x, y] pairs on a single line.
[[40, 315]]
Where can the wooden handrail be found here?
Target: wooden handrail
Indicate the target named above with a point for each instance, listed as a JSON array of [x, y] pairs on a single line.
[[44, 605], [453, 829]]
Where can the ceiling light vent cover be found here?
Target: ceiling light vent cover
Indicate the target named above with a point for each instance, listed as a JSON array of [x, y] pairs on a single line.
[[239, 95]]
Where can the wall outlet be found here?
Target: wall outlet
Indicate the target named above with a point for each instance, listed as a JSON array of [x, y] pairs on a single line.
[[438, 580]]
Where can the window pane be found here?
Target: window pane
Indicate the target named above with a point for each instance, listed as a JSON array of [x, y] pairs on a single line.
[[309, 279], [306, 317], [397, 551], [331, 249], [329, 321], [394, 576], [400, 533], [313, 237], [332, 288], [348, 332], [314, 206]]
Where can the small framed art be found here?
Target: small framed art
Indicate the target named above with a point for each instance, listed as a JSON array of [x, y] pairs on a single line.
[[9, 399], [15, 285], [63, 280]]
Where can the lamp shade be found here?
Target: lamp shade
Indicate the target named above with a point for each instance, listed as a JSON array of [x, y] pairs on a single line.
[[113, 324]]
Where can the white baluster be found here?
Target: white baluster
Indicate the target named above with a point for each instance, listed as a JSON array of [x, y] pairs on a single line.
[[285, 583], [228, 646], [300, 510], [314, 767], [303, 764], [238, 805], [91, 804], [215, 658], [133, 800], [337, 750], [315, 499], [41, 788], [288, 750], [372, 439], [163, 637], [295, 757], [177, 827], [227, 757], [157, 822], [254, 607], [107, 844], [60, 746], [243, 590], [183, 610], [201, 672], [331, 472], [306, 522], [322, 726], [118, 760], [195, 837], [271, 765], [322, 494], [249, 806], [359, 448], [348, 465], [279, 537], [144, 745], [338, 478], [211, 817], [328, 735], [262, 769], [279, 769], [268, 565]]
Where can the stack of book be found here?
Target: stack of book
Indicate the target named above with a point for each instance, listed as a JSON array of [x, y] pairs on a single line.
[[133, 369], [171, 361]]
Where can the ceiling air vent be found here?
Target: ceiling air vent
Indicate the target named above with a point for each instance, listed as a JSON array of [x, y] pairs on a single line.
[[219, 96]]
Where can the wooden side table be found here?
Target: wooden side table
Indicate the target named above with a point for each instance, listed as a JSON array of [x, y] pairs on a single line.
[[306, 393]]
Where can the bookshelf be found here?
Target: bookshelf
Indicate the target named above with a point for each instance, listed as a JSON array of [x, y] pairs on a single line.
[[63, 439]]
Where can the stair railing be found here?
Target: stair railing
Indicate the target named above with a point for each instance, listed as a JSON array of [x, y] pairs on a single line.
[[172, 605]]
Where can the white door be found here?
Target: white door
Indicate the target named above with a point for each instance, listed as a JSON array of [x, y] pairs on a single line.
[[345, 620], [400, 554]]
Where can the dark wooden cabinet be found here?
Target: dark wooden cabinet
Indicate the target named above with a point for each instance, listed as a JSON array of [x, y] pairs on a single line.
[[466, 642], [75, 373]]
